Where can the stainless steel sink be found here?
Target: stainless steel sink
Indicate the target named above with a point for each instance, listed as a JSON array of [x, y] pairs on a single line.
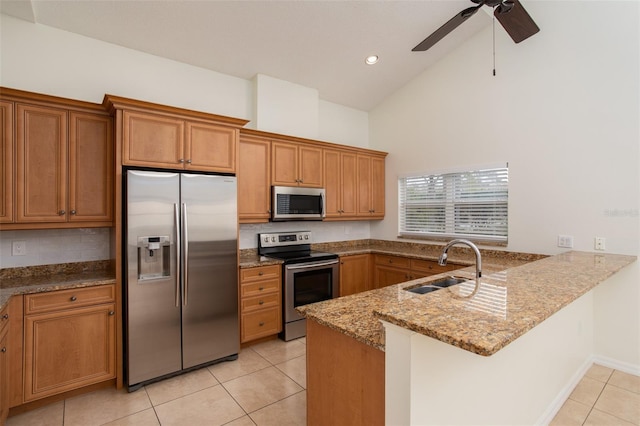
[[436, 285]]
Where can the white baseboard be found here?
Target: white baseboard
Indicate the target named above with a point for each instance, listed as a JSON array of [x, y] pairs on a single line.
[[559, 400], [625, 367], [563, 395]]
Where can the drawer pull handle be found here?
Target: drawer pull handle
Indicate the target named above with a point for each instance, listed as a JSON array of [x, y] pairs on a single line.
[[390, 261], [260, 288], [261, 302], [73, 298], [5, 316], [111, 312], [261, 273], [261, 323], [3, 350]]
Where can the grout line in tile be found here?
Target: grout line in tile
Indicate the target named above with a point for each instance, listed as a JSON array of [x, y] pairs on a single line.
[[274, 402]]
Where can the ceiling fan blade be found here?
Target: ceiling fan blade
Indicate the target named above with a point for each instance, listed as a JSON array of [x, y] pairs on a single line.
[[449, 26], [516, 21]]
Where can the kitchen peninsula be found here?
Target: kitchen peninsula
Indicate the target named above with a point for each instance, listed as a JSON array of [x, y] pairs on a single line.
[[499, 357]]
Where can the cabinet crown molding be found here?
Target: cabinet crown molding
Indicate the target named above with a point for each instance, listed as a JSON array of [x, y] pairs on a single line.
[[112, 103]]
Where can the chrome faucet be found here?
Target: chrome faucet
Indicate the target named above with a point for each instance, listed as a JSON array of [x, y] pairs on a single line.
[[442, 260]]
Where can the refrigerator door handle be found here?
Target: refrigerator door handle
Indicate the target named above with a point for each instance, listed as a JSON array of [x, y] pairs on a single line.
[[178, 254], [185, 250]]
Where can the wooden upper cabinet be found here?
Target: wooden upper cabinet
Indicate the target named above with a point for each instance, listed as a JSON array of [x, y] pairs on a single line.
[[340, 183], [254, 184], [6, 162], [41, 166], [295, 164], [370, 176], [151, 140], [160, 136], [57, 162], [210, 148], [377, 186], [90, 168]]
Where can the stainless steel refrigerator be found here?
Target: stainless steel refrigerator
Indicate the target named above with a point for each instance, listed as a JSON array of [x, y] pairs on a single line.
[[181, 264]]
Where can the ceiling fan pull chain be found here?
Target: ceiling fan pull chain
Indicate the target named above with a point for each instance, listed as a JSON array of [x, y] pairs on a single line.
[[493, 24]]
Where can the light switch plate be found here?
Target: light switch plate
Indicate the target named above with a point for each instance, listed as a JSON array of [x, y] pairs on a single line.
[[565, 241]]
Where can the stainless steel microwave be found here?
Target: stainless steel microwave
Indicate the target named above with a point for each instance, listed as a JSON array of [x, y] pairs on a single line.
[[294, 203]]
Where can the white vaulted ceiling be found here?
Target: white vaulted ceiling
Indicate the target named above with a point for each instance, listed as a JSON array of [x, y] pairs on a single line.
[[317, 44]]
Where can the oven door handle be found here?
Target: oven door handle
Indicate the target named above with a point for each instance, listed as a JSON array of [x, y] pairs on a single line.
[[311, 265]]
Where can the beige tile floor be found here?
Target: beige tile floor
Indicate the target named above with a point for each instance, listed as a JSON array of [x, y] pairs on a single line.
[[266, 386], [603, 397]]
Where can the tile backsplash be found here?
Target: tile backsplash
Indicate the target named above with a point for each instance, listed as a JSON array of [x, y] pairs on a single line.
[[53, 246], [321, 232]]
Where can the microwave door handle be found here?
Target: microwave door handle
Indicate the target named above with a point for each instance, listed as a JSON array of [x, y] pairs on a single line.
[[321, 205]]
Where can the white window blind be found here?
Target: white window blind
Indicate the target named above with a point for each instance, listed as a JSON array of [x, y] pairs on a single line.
[[469, 204]]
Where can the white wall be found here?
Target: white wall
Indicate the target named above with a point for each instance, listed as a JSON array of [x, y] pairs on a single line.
[[46, 60], [429, 382], [563, 110]]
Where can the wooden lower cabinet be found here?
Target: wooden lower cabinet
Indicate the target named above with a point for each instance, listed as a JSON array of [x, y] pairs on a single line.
[[68, 347], [354, 274], [390, 270], [260, 302], [345, 379], [4, 365]]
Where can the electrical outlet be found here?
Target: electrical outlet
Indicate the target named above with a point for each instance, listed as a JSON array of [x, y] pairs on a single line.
[[565, 241], [18, 248], [598, 243]]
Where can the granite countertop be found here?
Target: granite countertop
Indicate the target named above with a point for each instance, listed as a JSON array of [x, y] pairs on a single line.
[[44, 278], [460, 255], [509, 302]]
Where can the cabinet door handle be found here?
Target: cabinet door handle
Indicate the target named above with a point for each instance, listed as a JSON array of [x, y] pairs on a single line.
[[3, 350], [189, 161], [5, 316], [111, 313], [73, 298], [181, 160], [261, 324], [73, 212], [62, 212]]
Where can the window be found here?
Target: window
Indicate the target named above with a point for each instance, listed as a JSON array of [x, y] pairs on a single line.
[[463, 204]]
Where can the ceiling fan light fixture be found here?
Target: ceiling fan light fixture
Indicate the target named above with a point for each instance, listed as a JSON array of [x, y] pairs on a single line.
[[371, 59]]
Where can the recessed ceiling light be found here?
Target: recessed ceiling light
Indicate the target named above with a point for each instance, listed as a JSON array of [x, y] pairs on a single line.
[[370, 60]]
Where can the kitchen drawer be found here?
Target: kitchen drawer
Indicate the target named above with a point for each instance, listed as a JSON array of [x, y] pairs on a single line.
[[262, 323], [269, 300], [260, 273], [397, 261], [260, 287], [67, 299], [431, 267]]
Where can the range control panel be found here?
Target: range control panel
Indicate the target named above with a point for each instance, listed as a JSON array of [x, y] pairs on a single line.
[[279, 239]]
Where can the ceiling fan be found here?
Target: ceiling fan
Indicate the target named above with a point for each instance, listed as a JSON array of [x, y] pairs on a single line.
[[510, 13]]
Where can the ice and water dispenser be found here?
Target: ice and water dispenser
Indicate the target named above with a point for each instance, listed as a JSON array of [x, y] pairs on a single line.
[[153, 257]]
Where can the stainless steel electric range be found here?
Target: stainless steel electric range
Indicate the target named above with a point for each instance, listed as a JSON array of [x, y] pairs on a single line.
[[309, 276]]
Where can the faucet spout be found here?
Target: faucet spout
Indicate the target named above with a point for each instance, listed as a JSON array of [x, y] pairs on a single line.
[[442, 260]]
